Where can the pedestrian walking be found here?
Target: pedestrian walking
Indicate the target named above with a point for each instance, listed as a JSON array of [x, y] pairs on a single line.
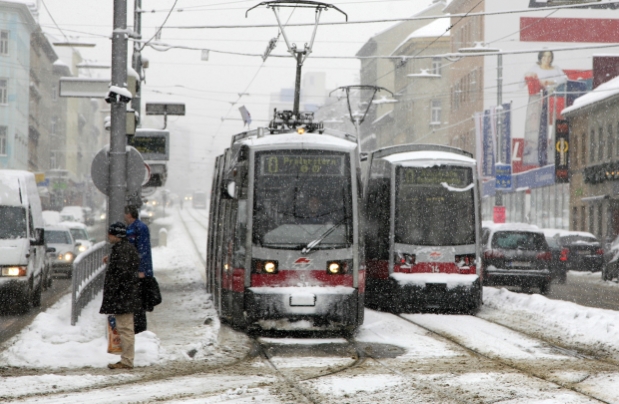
[[121, 294], [139, 235]]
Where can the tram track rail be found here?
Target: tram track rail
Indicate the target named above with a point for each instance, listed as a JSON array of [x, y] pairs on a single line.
[[507, 363]]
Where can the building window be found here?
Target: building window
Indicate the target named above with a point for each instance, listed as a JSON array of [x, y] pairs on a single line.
[[435, 118], [574, 148], [601, 145], [591, 219], [4, 89], [4, 42], [609, 142], [54, 92], [574, 225], [436, 66], [3, 133], [54, 126], [592, 147]]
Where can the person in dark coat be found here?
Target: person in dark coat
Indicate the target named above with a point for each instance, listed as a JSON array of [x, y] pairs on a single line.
[[139, 235], [121, 293]]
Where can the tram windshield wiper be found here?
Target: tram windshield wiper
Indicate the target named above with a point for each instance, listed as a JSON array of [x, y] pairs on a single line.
[[323, 236]]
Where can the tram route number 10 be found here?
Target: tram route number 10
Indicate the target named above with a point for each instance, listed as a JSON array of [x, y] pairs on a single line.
[[310, 165]]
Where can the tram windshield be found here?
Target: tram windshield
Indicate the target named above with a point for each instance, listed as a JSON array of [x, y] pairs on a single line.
[[299, 196], [435, 206]]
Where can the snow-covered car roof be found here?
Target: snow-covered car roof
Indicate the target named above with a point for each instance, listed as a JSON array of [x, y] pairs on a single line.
[[514, 227], [564, 233], [73, 225]]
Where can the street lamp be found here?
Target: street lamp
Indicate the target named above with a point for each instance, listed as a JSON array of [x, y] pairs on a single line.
[[481, 49]]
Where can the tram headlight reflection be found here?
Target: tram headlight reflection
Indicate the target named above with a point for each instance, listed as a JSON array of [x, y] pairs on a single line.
[[264, 266], [339, 267]]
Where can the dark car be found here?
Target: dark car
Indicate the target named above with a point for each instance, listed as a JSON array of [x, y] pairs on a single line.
[[611, 268], [581, 251], [558, 267], [516, 254]]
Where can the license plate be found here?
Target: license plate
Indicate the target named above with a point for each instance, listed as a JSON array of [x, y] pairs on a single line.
[[521, 264], [303, 299], [583, 252]]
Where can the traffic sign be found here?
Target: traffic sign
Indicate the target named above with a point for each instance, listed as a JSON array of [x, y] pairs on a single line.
[[136, 170], [503, 176]]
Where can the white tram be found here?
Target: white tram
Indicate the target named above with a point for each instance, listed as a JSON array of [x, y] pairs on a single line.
[[423, 226], [283, 242]]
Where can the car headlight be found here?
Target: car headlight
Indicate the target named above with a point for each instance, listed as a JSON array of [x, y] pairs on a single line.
[[102, 217], [68, 257], [14, 271], [82, 248], [150, 214]]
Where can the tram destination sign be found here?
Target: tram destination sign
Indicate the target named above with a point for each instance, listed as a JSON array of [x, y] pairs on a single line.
[[295, 164], [435, 176]]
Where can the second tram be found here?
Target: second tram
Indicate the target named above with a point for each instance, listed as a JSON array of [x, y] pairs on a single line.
[[283, 244], [422, 235]]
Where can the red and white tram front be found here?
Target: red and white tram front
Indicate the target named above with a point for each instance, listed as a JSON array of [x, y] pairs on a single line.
[[422, 238], [299, 254]]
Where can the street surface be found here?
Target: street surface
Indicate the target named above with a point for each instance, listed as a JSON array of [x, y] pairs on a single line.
[[520, 348]]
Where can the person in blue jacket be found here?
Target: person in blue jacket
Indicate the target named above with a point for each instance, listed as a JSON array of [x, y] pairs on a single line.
[[139, 235]]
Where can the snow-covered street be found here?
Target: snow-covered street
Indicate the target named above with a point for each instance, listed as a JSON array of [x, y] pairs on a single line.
[[520, 348]]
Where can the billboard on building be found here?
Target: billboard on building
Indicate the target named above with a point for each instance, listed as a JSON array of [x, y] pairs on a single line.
[[541, 82]]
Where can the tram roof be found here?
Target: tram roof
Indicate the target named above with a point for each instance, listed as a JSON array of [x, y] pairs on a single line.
[[418, 148], [329, 137]]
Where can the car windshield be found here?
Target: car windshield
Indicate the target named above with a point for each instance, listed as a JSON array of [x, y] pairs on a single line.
[[13, 219], [519, 240], [298, 196], [435, 206], [576, 239], [57, 237], [79, 234]]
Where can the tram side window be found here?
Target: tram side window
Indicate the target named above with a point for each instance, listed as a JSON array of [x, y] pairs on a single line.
[[378, 210], [240, 235]]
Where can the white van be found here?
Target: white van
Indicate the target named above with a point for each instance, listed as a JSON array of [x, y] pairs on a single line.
[[22, 246]]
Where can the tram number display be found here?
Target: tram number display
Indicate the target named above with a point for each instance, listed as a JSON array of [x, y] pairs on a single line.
[[289, 164], [436, 176]]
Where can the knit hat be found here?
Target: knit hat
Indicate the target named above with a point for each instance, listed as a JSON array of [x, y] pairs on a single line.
[[118, 229]]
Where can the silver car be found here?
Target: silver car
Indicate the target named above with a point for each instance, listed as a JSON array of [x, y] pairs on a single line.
[[61, 250]]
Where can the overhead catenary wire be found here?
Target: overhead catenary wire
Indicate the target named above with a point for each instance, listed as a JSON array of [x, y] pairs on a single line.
[[162, 25], [391, 20]]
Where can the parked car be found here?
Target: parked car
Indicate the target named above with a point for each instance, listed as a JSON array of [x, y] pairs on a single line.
[[147, 214], [577, 250], [51, 217], [22, 260], [558, 267], [72, 214], [516, 254], [610, 269], [80, 235], [60, 250]]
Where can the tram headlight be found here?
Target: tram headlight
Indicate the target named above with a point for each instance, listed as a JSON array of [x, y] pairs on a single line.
[[339, 267], [264, 267]]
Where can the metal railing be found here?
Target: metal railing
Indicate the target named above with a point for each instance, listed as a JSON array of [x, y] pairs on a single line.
[[88, 276]]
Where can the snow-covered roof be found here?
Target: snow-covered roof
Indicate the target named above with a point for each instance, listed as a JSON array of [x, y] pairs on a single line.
[[425, 158], [307, 139], [602, 92], [436, 28]]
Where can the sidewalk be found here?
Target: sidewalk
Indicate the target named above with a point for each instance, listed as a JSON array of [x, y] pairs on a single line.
[[183, 329]]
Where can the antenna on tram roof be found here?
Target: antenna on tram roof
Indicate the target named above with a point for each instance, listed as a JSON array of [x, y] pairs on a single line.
[[299, 54]]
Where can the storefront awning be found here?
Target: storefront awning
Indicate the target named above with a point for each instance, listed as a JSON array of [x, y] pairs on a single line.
[[594, 199]]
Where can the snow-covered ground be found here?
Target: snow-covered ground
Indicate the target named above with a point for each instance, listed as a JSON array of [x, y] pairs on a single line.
[[519, 349]]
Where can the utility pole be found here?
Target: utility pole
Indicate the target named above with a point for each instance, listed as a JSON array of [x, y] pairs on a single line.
[[499, 129], [137, 57], [118, 139]]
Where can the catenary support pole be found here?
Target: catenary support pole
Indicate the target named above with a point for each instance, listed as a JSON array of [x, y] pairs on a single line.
[[118, 140], [137, 57], [297, 84]]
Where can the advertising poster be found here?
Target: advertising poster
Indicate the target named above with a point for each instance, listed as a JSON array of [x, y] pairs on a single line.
[[539, 78]]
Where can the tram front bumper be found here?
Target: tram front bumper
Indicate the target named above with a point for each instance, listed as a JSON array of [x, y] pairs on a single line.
[[435, 291], [302, 307]]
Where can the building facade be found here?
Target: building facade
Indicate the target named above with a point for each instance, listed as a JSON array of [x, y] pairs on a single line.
[[16, 27]]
